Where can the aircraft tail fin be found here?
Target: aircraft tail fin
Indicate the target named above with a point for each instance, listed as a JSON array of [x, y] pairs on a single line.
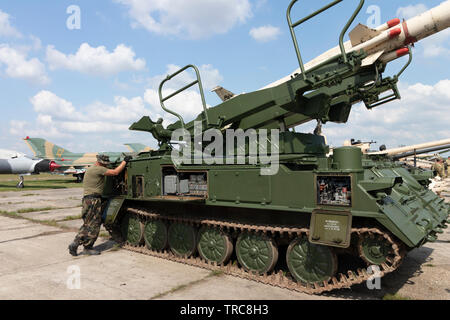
[[42, 148], [137, 147]]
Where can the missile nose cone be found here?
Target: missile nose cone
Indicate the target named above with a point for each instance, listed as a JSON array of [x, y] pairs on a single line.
[[395, 32], [401, 52], [394, 22]]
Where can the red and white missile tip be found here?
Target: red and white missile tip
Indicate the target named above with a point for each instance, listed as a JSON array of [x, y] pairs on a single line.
[[54, 166], [394, 22], [402, 52], [395, 32]]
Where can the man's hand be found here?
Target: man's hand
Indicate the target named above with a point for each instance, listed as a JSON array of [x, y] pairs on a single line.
[[116, 171], [127, 159]]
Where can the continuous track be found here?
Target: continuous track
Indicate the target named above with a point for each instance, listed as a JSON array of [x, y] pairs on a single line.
[[278, 278]]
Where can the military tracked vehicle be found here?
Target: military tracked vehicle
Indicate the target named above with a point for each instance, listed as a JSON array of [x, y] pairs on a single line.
[[302, 221]]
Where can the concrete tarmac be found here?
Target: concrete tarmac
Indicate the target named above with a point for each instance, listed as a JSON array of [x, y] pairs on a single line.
[[35, 263]]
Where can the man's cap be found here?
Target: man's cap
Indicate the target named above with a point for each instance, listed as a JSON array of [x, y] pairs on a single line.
[[103, 159]]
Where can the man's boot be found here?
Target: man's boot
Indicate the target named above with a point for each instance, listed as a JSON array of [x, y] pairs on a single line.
[[90, 251], [73, 248]]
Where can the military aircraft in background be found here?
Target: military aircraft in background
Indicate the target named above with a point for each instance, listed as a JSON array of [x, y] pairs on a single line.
[[12, 162], [69, 162], [137, 147]]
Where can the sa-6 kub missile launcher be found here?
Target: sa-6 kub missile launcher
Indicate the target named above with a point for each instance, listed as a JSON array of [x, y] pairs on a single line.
[[274, 208]]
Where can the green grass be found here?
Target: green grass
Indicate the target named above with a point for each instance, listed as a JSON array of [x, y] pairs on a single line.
[[395, 296], [10, 214], [70, 218], [37, 182], [27, 210], [51, 223]]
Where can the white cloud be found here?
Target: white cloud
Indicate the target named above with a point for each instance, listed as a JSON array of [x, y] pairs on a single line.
[[265, 33], [124, 110], [420, 116], [188, 104], [57, 117], [92, 127], [210, 77], [56, 114], [96, 61], [194, 19], [17, 65], [47, 103], [411, 11], [37, 43], [18, 127], [44, 128], [6, 30]]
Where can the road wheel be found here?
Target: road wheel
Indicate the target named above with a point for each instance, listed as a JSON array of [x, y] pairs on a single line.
[[374, 250], [155, 235], [132, 229], [214, 245], [309, 262], [182, 239], [256, 253]]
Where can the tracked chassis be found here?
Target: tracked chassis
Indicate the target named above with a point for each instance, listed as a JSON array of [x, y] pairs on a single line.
[[278, 278], [315, 223]]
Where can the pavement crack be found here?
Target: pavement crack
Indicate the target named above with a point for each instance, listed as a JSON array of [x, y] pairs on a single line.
[[187, 285], [42, 234]]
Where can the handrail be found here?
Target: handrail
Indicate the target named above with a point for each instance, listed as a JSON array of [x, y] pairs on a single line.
[[170, 77], [292, 26], [407, 64]]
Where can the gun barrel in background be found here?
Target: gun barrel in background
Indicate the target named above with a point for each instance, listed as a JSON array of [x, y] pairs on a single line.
[[419, 152], [441, 143]]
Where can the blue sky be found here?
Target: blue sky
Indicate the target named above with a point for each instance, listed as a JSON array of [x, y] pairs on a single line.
[[82, 88]]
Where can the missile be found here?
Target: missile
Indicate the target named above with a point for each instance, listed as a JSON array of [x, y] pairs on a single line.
[[391, 56], [387, 42]]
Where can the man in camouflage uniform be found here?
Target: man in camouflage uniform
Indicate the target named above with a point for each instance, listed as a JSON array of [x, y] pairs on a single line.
[[91, 213], [438, 166], [447, 162]]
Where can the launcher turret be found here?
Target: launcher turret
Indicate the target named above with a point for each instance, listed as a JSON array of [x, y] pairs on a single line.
[[326, 88]]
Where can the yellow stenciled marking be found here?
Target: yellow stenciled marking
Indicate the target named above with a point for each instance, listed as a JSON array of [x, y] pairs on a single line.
[[59, 153], [49, 150]]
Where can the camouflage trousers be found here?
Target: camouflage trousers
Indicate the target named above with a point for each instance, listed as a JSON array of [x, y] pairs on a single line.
[[92, 221]]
